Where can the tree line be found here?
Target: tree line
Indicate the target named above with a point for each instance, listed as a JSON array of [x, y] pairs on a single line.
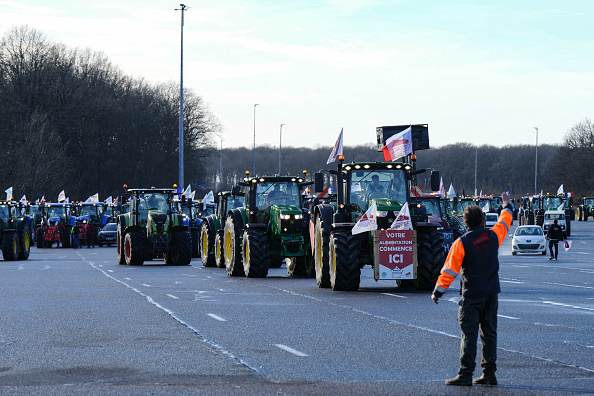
[[71, 120]]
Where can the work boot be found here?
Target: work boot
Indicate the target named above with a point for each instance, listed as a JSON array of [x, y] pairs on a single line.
[[550, 258], [486, 379], [459, 381]]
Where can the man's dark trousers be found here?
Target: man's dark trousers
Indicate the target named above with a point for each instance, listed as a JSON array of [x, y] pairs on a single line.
[[474, 314], [555, 243]]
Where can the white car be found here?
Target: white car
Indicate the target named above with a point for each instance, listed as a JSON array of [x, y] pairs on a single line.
[[529, 239], [490, 219]]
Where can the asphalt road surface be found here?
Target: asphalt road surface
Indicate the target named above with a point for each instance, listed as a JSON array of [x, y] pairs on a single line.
[[76, 322]]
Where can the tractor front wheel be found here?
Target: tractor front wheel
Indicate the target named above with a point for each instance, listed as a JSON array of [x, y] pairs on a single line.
[[24, 243], [195, 242], [255, 253], [232, 249], [180, 249], [207, 245], [321, 250], [120, 245], [345, 273], [133, 244], [219, 251], [300, 266], [431, 257], [10, 246]]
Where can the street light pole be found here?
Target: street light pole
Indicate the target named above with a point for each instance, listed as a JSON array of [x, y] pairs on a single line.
[[254, 149], [221, 177], [536, 165], [181, 101], [280, 152]]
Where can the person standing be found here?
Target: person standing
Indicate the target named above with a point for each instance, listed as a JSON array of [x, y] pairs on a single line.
[[474, 257], [554, 235], [75, 235], [90, 234]]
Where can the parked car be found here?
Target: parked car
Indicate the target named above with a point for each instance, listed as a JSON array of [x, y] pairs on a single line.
[[107, 235], [490, 219], [529, 239]]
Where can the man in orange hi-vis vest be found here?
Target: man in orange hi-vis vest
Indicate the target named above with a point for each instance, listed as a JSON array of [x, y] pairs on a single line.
[[474, 257]]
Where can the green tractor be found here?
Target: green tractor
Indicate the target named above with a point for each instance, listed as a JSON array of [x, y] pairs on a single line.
[[586, 209], [269, 228], [211, 232], [153, 230], [559, 202], [14, 231], [413, 258]]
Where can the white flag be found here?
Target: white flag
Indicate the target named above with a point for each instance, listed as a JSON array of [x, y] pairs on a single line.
[[487, 207], [208, 198], [67, 200], [560, 190], [187, 191], [566, 244], [402, 221], [560, 207], [441, 188], [337, 150], [192, 195], [109, 200], [451, 192], [95, 198], [8, 192], [24, 200], [62, 196], [367, 222]]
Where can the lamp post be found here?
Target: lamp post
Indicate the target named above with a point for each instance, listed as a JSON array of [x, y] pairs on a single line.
[[280, 152], [536, 165], [181, 100], [254, 149], [221, 177]]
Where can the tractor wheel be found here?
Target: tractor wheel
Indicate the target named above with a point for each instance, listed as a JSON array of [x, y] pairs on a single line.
[[345, 273], [430, 258], [24, 243], [195, 243], [540, 220], [255, 253], [10, 246], [120, 245], [219, 251], [66, 237], [275, 261], [232, 249], [207, 236], [179, 251], [39, 238], [578, 213], [321, 249], [133, 252], [300, 266]]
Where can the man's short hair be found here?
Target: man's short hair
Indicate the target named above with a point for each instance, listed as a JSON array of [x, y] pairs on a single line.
[[555, 221], [473, 216], [375, 177]]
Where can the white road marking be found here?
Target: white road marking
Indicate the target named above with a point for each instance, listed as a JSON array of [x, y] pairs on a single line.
[[144, 284], [45, 267], [508, 317], [217, 317], [128, 278], [563, 284], [109, 270], [21, 267], [567, 305], [290, 350], [506, 281], [172, 296], [393, 295]]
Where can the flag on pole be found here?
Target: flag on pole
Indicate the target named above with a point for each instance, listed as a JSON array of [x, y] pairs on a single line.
[[451, 192], [560, 208], [367, 222], [442, 192], [8, 192], [24, 200], [560, 190], [402, 221], [398, 145], [95, 198], [208, 198], [566, 244], [487, 207], [192, 195], [61, 196], [337, 150], [187, 191], [109, 200]]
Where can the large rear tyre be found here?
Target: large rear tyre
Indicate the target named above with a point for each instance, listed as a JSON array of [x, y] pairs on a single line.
[[345, 273], [39, 238], [195, 242], [207, 236], [321, 254], [255, 253], [24, 243], [133, 248], [120, 245], [179, 251], [430, 256], [300, 266], [10, 246], [232, 249], [219, 251]]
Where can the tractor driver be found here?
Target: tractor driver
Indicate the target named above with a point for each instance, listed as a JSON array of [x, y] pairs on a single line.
[[276, 194], [375, 185]]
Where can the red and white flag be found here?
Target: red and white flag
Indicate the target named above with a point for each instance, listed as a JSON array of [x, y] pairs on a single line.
[[24, 200], [62, 196], [337, 150], [367, 222], [398, 145], [402, 221], [442, 192]]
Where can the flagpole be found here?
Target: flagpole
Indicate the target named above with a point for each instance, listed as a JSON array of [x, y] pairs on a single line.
[[475, 167], [536, 165]]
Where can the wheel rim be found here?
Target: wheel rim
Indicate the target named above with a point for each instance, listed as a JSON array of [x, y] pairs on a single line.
[[319, 250], [128, 249], [228, 244], [15, 247], [204, 244], [27, 241], [247, 254]]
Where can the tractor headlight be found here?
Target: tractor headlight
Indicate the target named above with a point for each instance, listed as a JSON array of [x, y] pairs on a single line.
[[382, 213], [298, 216], [285, 217]]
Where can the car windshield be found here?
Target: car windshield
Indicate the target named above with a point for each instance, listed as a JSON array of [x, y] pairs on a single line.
[[529, 231], [365, 185], [110, 227]]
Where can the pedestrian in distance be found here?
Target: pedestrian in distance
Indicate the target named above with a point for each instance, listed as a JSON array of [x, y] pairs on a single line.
[[554, 235], [90, 234], [75, 236], [473, 256]]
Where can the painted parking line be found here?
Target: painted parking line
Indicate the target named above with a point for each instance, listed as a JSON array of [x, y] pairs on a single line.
[[393, 295], [172, 296], [291, 350], [217, 317]]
